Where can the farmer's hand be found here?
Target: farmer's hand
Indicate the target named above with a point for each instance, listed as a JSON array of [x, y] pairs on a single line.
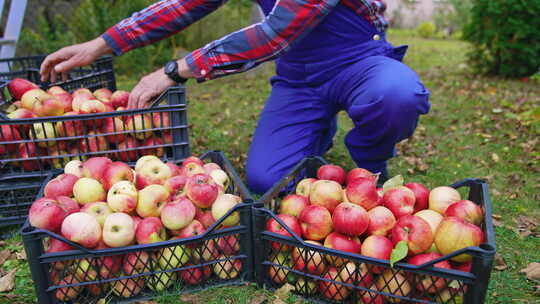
[[154, 84], [65, 59]]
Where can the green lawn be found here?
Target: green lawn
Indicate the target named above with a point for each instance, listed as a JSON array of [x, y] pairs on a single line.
[[478, 127]]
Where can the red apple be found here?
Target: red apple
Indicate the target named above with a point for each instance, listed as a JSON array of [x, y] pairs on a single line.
[[304, 186], [126, 149], [400, 200], [161, 120], [273, 226], [201, 190], [307, 260], [92, 106], [206, 218], [140, 126], [331, 289], [49, 106], [150, 230], [136, 221], [128, 288], [228, 245], [315, 222], [116, 129], [175, 185], [103, 94], [178, 214], [18, 86], [153, 147], [120, 98], [363, 191], [395, 283], [356, 173], [191, 168], [370, 297], [415, 231], [378, 247], [467, 211], [68, 293], [326, 193], [381, 221], [293, 204], [45, 213], [430, 284], [227, 269], [280, 274], [193, 229], [66, 100], [136, 262], [68, 204], [175, 170], [421, 194], [94, 167], [79, 96], [29, 150], [115, 172], [341, 242], [441, 197], [58, 246], [350, 219], [68, 127], [195, 275], [62, 185], [31, 96], [8, 133], [331, 172], [82, 228], [465, 267], [454, 234], [152, 172]]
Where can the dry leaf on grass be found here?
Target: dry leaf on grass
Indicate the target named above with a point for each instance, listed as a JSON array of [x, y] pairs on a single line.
[[258, 299], [4, 255], [532, 272], [279, 301], [7, 282], [21, 255], [189, 298], [500, 264], [526, 226], [284, 291]]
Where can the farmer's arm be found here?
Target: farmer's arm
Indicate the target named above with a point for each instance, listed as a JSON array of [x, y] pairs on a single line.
[[154, 23], [289, 22]]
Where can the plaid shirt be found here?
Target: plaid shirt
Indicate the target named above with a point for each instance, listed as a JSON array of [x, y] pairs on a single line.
[[289, 21]]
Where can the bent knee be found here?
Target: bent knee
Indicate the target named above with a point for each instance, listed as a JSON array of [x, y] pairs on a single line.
[[260, 180]]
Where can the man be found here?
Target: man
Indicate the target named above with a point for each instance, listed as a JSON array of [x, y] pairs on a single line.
[[331, 55]]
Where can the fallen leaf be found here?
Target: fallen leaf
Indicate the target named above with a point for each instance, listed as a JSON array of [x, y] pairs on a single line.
[[500, 264], [2, 243], [21, 255], [284, 291], [259, 299], [7, 282], [189, 298], [526, 226], [279, 301], [495, 157], [4, 255], [532, 272], [395, 181]]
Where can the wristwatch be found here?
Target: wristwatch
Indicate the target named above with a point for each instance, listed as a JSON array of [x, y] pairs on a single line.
[[171, 70]]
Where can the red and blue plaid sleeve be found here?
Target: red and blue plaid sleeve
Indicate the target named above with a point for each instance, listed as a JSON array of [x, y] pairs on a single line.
[[156, 22], [289, 21]]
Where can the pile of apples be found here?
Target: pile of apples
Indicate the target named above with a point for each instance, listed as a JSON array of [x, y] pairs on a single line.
[[362, 219], [102, 204], [126, 131]]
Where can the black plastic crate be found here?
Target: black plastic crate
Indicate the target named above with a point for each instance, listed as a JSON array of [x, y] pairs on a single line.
[[87, 273], [357, 274], [16, 196], [47, 143], [99, 74]]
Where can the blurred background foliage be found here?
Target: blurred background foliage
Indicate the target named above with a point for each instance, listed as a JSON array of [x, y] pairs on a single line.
[[53, 24]]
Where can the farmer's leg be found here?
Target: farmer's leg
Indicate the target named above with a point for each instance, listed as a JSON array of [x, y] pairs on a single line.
[[384, 99], [295, 123]]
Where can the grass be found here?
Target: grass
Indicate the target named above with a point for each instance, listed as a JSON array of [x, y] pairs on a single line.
[[478, 127]]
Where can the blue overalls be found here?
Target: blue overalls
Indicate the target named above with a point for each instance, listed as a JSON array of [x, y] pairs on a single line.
[[343, 64]]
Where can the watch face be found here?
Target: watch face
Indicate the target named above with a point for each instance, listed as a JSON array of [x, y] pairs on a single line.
[[170, 67]]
